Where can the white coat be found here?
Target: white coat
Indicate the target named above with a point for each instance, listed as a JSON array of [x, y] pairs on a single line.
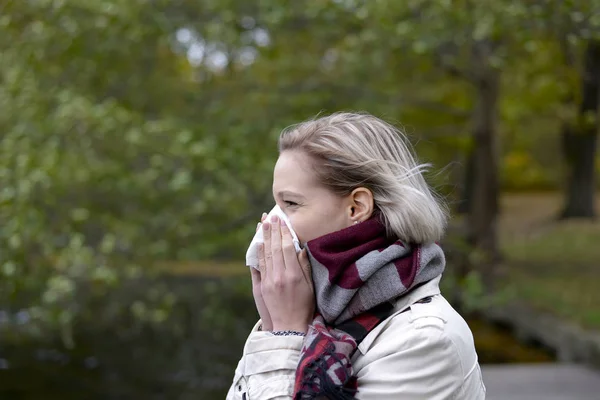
[[423, 351]]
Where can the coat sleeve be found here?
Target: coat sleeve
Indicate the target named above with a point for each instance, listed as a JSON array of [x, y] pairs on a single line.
[[267, 368], [424, 366]]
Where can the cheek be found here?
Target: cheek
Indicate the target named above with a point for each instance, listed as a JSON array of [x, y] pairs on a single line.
[[301, 225], [310, 225]]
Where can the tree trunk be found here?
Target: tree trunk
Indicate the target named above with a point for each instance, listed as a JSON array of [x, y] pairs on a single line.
[[579, 150], [482, 218], [466, 191], [579, 142]]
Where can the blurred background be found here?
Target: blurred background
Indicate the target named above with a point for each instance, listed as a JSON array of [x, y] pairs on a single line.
[[137, 141]]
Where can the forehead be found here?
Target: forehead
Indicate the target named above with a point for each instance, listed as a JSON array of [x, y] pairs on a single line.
[[293, 171]]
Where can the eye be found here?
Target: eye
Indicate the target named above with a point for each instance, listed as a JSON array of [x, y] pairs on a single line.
[[290, 203]]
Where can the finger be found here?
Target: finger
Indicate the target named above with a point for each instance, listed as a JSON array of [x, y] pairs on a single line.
[[262, 267], [289, 252], [262, 219], [276, 249], [305, 266], [268, 255], [256, 278]]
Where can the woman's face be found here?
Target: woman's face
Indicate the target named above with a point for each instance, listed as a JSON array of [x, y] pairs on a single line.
[[313, 210]]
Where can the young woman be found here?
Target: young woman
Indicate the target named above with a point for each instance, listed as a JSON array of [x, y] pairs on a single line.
[[357, 314]]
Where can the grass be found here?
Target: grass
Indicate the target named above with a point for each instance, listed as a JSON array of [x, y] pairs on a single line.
[[553, 266]]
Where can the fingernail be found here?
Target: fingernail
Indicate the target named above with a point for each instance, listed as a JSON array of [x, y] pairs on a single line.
[[266, 226], [264, 214], [275, 219], [282, 222]]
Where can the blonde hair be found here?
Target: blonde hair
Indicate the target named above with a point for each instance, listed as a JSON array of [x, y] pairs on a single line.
[[352, 150]]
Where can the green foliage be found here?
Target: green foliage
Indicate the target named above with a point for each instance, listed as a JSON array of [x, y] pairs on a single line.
[[100, 173], [119, 149]]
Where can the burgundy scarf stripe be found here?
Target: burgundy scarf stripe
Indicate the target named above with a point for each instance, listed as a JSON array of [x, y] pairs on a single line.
[[339, 251], [405, 269], [358, 273]]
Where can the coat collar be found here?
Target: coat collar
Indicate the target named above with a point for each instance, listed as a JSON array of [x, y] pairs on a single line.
[[430, 288]]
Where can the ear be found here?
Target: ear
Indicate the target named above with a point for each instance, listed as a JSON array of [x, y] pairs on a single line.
[[361, 205]]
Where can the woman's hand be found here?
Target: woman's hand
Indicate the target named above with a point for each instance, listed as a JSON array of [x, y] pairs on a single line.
[[286, 280], [265, 318]]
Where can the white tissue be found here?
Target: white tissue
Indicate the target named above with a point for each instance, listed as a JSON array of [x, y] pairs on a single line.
[[252, 253]]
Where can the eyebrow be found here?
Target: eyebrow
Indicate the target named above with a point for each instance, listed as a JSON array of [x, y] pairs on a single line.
[[290, 194]]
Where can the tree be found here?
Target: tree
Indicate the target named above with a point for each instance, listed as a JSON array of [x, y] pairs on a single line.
[[107, 165], [576, 28], [469, 41], [580, 138]]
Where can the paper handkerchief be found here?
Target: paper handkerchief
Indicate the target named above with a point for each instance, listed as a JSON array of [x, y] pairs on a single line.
[[252, 253]]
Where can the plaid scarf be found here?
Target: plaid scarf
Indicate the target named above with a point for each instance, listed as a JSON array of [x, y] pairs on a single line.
[[358, 274]]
